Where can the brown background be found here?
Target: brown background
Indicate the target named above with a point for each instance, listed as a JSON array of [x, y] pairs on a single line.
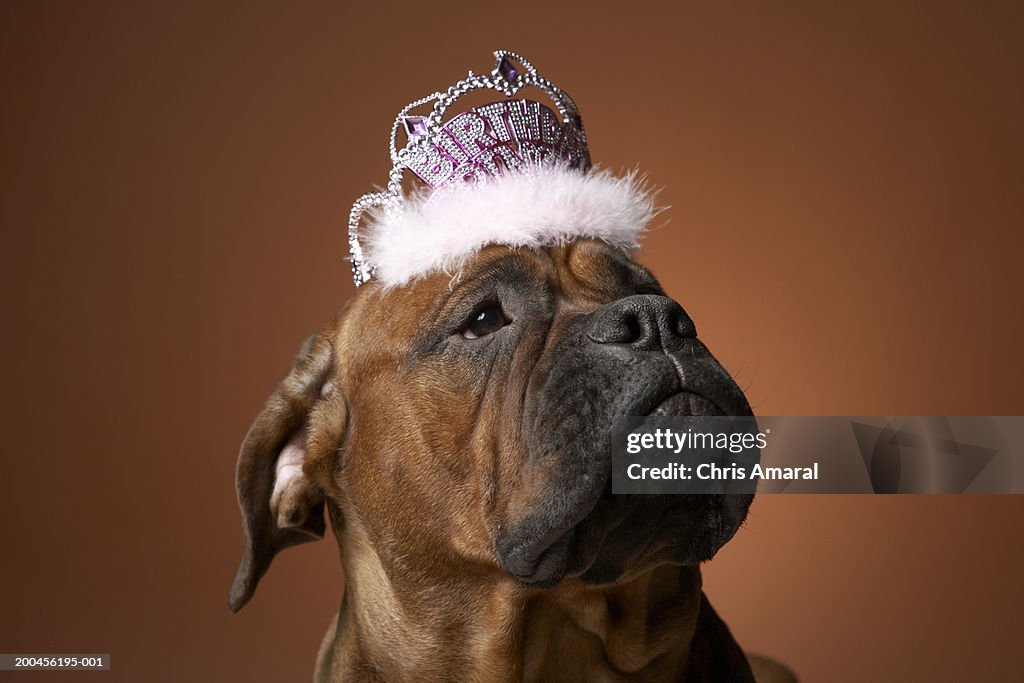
[[845, 228]]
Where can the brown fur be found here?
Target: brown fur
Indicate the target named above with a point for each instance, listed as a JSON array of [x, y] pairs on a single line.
[[417, 462]]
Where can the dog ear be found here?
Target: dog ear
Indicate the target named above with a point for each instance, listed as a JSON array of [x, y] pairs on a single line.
[[280, 507]]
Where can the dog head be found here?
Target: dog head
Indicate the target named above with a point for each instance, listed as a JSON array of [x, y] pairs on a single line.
[[463, 424]]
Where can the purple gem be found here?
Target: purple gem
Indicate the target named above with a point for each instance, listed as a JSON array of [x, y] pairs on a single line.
[[507, 70], [415, 126]]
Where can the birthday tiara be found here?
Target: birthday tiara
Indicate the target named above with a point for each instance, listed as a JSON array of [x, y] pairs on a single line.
[[512, 172], [485, 141]]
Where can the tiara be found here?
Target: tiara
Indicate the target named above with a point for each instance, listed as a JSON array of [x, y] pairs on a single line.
[[483, 142]]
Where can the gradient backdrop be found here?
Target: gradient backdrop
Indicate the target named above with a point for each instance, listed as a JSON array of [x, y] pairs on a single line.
[[845, 228]]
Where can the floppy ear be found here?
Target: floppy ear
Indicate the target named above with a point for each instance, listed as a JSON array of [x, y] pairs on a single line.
[[280, 506]]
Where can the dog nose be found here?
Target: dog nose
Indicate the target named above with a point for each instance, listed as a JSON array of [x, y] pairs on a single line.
[[645, 322]]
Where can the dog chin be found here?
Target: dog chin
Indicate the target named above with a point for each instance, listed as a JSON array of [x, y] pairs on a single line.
[[626, 534], [617, 539], [623, 534]]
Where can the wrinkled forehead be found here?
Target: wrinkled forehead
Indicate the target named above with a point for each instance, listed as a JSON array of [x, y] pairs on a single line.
[[580, 272]]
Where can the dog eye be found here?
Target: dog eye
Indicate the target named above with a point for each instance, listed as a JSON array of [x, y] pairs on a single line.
[[485, 321]]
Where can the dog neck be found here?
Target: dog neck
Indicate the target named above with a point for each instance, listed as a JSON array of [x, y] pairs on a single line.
[[485, 626], [638, 629]]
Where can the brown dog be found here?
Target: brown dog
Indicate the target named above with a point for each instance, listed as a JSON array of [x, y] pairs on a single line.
[[457, 432]]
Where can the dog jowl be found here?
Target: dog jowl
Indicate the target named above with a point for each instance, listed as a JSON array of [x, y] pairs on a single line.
[[456, 431]]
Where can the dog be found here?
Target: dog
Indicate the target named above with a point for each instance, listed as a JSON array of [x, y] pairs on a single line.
[[456, 430]]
